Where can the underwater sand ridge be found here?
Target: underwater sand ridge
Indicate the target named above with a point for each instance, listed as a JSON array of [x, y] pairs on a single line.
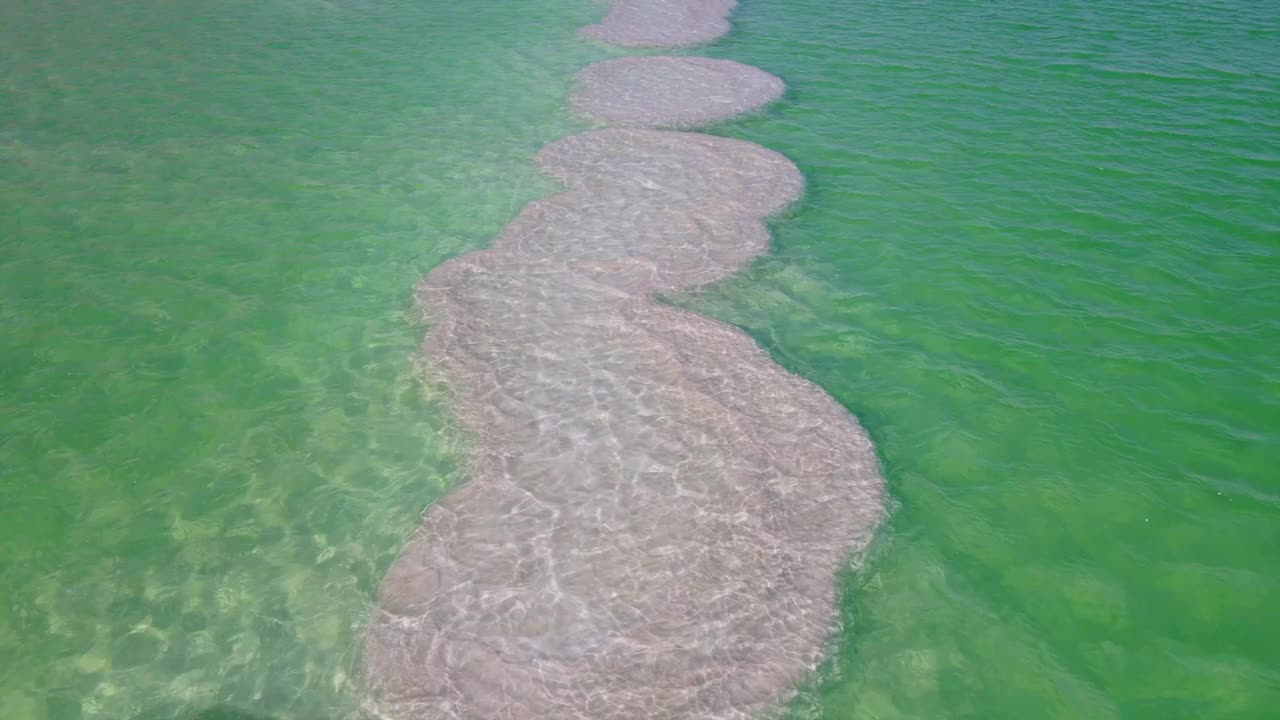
[[655, 512], [663, 91], [662, 23]]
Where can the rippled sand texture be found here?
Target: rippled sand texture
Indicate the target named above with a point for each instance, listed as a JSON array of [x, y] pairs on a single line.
[[657, 91], [662, 23], [655, 511]]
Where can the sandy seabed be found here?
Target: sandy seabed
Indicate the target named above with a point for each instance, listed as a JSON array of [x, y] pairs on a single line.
[[655, 512]]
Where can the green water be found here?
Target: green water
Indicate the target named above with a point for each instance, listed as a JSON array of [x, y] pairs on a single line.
[[1039, 257]]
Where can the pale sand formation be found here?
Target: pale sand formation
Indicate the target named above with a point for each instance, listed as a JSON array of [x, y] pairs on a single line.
[[659, 91], [662, 23], [655, 512]]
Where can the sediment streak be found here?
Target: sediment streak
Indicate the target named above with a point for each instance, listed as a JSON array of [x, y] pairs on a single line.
[[655, 512]]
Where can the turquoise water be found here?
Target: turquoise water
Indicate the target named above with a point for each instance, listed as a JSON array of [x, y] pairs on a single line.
[[1039, 257]]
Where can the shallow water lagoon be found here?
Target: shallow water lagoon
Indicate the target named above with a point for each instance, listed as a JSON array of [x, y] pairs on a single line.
[[1037, 257]]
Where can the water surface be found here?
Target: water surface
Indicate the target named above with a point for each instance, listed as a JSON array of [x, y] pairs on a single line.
[[1038, 258]]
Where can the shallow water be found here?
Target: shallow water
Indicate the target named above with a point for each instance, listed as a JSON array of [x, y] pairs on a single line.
[[212, 437], [1038, 258]]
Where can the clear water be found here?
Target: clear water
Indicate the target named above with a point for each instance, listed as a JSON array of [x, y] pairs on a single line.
[[1039, 257], [212, 437]]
